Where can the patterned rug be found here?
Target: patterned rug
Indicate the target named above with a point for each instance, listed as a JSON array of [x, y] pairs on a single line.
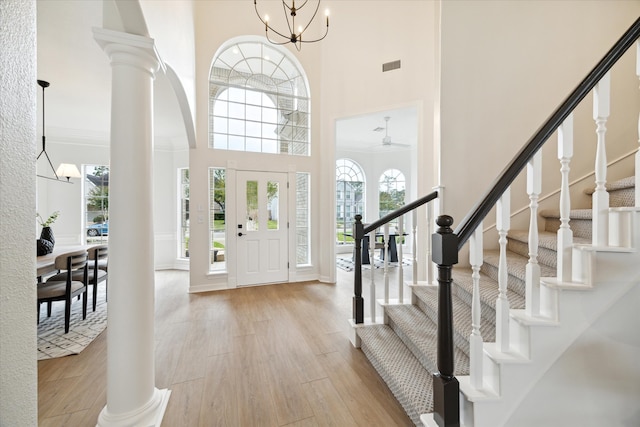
[[53, 342], [347, 264]]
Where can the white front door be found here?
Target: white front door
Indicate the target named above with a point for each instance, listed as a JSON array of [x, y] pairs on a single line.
[[262, 228]]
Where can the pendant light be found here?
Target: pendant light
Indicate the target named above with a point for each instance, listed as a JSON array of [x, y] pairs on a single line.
[[66, 170]]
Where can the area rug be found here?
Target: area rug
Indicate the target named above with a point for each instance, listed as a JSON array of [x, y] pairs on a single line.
[[53, 342], [347, 263]]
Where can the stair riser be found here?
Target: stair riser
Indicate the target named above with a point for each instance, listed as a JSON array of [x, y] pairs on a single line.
[[460, 339], [514, 283], [545, 255], [579, 227], [487, 313], [428, 364]]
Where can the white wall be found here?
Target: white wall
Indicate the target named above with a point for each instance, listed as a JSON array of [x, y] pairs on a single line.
[[18, 370], [346, 79], [361, 39], [599, 373], [505, 67]]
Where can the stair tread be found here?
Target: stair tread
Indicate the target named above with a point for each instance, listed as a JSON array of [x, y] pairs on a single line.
[[488, 289], [461, 316], [422, 333], [516, 264], [546, 239], [410, 383], [621, 184], [573, 214]]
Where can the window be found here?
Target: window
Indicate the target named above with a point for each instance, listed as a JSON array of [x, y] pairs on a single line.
[[391, 191], [96, 202], [258, 101], [303, 254], [350, 183], [183, 194], [217, 227]]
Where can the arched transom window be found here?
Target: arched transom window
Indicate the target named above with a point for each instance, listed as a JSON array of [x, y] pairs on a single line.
[[259, 101], [349, 198]]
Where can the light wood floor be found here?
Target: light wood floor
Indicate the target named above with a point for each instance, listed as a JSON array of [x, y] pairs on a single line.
[[263, 356]]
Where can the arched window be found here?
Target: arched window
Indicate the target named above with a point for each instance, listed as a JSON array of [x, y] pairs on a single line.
[[259, 101], [349, 198], [391, 192]]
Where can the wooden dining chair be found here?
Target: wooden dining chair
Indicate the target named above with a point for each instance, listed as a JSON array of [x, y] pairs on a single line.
[[63, 287], [95, 273], [98, 257]]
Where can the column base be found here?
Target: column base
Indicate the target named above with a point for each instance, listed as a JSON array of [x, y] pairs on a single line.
[[150, 415]]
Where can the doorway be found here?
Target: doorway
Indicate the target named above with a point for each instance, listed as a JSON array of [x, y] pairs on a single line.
[[262, 228]]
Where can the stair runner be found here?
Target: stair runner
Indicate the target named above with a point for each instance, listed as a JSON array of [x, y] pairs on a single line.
[[404, 351]]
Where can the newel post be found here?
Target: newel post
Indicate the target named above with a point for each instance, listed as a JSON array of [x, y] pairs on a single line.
[[446, 398], [358, 302]]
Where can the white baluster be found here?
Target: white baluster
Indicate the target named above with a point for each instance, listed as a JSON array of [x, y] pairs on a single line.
[[372, 283], [638, 152], [475, 339], [565, 235], [386, 263], [600, 197], [430, 264], [534, 187], [400, 233], [503, 223], [414, 238]]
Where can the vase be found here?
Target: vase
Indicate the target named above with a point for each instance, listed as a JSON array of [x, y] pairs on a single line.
[[47, 234]]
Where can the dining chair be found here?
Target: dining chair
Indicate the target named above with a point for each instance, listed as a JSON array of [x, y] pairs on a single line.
[[98, 259], [97, 256], [63, 286]]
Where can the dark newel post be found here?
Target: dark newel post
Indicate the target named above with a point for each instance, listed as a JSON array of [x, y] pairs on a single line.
[[358, 302], [446, 398]]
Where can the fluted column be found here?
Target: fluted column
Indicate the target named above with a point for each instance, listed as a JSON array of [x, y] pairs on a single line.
[[132, 398]]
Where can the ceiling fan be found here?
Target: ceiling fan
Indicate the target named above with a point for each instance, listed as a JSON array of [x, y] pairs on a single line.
[[387, 139]]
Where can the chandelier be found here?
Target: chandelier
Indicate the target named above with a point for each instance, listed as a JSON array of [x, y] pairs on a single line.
[[294, 34]]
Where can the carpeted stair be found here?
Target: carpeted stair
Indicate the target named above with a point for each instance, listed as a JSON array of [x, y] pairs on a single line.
[[404, 351]]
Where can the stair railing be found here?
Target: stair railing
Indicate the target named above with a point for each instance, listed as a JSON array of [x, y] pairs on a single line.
[[360, 230], [447, 243]]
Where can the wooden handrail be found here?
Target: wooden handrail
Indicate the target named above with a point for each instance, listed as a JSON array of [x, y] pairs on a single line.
[[499, 186]]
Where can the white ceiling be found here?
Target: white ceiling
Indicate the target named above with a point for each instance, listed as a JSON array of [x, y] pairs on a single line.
[[357, 133]]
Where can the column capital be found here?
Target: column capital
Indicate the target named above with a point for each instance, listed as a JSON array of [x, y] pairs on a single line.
[[129, 49]]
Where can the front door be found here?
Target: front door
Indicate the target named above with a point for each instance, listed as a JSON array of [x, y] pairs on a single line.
[[262, 228]]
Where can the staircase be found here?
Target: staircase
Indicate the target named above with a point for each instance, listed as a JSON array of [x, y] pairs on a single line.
[[403, 350], [518, 310]]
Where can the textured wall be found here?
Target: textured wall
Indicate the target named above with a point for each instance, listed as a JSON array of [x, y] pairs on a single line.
[[18, 370]]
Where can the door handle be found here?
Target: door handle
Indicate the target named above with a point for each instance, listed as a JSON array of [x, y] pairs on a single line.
[[239, 234]]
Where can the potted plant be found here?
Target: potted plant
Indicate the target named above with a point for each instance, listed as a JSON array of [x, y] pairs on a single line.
[[47, 233]]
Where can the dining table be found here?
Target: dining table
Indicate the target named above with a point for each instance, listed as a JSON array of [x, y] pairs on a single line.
[[47, 263]]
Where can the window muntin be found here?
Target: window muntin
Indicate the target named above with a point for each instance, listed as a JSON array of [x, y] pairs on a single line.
[[303, 253], [183, 195], [258, 101], [217, 219], [349, 198], [96, 202], [391, 192]]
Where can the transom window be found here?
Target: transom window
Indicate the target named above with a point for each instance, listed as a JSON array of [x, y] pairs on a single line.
[[258, 101], [349, 198]]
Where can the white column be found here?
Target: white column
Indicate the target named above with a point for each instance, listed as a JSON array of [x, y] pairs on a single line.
[[132, 398], [637, 166]]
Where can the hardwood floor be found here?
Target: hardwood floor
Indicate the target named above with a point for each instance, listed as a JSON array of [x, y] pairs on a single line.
[[273, 355]]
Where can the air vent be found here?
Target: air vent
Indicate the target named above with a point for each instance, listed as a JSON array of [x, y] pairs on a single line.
[[393, 65]]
